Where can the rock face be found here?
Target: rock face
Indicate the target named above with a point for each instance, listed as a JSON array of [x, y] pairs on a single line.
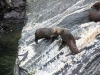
[[3, 8], [47, 60], [11, 24], [17, 10]]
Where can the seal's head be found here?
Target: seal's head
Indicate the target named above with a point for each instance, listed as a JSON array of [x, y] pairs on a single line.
[[96, 6]]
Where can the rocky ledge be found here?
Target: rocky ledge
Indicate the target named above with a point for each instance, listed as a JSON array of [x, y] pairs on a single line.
[[46, 59]]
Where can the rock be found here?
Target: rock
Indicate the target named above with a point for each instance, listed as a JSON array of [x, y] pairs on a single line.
[[17, 11], [47, 59]]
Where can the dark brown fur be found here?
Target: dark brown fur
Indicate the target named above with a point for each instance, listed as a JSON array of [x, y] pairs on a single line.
[[45, 33], [94, 16], [96, 6], [67, 38]]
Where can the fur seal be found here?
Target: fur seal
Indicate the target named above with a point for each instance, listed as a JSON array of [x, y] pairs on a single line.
[[96, 6], [67, 38], [94, 16], [46, 33]]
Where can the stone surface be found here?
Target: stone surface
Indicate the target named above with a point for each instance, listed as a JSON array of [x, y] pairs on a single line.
[[47, 60]]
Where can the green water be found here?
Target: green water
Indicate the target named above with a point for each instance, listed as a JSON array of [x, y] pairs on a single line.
[[8, 48]]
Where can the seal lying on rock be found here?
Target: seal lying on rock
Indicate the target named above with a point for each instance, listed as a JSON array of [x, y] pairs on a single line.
[[95, 15], [67, 38], [46, 33]]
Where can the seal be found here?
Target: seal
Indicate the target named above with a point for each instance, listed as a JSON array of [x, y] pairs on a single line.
[[46, 33], [96, 5], [67, 38], [94, 16]]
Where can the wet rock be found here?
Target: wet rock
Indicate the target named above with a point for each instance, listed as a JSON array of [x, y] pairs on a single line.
[[2, 8], [71, 14], [17, 11]]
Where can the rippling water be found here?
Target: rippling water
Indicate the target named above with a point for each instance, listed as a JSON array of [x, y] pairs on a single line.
[[71, 14]]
